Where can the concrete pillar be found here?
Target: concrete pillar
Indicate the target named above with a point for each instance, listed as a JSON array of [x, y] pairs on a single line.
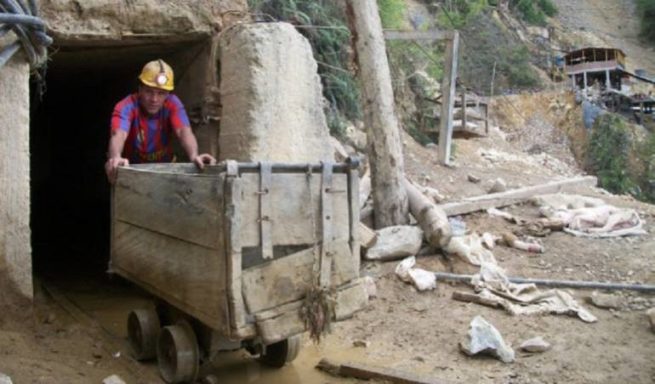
[[608, 84], [584, 79], [15, 247]]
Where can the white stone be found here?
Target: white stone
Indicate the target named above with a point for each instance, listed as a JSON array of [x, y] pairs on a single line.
[[4, 379], [396, 242], [423, 280], [536, 344], [485, 338], [498, 186], [272, 96], [113, 379], [371, 288], [651, 317], [607, 301]]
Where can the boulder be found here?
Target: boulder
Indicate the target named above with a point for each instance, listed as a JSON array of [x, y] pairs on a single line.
[[605, 300], [484, 338], [271, 96], [396, 242]]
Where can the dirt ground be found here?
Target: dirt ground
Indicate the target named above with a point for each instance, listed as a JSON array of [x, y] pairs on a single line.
[[77, 333]]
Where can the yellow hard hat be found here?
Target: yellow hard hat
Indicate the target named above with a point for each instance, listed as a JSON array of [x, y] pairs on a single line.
[[157, 74]]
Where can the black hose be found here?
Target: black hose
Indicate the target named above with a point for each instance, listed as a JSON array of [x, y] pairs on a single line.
[[555, 283]]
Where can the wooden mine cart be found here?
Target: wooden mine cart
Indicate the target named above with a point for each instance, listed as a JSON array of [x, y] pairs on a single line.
[[229, 253]]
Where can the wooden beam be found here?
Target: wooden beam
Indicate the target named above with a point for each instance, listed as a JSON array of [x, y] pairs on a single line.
[[418, 35], [448, 91], [464, 119], [503, 199], [367, 372]]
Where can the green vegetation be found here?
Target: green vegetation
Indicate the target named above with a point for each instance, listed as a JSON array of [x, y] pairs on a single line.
[[534, 11], [608, 154], [519, 71], [646, 9], [622, 164], [486, 44], [456, 14], [647, 169], [392, 13], [322, 22]]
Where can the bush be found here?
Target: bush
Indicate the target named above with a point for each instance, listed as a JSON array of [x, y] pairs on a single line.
[[646, 9], [392, 13], [647, 178], [608, 154], [548, 7], [330, 46], [460, 12], [520, 72], [535, 11]]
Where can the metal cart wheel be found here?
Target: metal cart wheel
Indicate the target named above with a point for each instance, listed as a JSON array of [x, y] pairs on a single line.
[[178, 356], [282, 352], [142, 331]]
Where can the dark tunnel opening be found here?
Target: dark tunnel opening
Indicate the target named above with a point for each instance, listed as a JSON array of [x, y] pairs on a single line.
[[69, 132]]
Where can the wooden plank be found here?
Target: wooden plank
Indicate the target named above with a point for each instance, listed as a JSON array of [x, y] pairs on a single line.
[[186, 275], [326, 226], [176, 168], [353, 212], [464, 121], [418, 35], [232, 207], [178, 205], [285, 280], [368, 372], [350, 299], [281, 327], [295, 216], [265, 209], [503, 199], [284, 321], [448, 86]]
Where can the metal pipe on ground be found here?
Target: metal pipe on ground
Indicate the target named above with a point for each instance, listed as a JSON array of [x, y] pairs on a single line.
[[555, 283]]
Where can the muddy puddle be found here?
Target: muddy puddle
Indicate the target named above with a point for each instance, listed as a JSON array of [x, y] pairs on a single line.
[[108, 302]]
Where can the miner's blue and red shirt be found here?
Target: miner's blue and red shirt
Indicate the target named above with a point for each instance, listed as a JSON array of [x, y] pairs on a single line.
[[149, 138]]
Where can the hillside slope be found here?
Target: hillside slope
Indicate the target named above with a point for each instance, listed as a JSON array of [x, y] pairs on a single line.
[[613, 23]]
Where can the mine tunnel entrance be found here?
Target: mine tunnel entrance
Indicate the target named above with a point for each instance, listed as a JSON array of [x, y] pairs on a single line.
[[70, 215]]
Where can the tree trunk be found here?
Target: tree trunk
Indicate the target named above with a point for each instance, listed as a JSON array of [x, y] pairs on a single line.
[[433, 220], [386, 158]]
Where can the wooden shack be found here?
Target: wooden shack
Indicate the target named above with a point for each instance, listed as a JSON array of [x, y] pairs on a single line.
[[587, 66]]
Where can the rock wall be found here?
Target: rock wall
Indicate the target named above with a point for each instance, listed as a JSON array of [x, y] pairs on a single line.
[[99, 20], [272, 103], [15, 247]]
